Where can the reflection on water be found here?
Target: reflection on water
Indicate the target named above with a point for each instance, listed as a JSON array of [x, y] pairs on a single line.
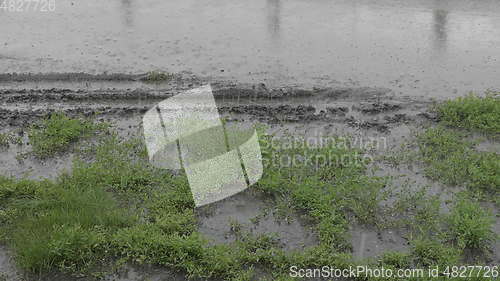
[[440, 18], [273, 21], [273, 18], [128, 16]]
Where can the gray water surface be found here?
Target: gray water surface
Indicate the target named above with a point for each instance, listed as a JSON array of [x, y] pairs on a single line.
[[432, 48]]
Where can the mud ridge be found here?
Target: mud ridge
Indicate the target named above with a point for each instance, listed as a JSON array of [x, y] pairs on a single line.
[[364, 108]]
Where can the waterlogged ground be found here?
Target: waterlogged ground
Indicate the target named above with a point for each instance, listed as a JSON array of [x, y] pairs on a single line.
[[407, 185], [408, 208]]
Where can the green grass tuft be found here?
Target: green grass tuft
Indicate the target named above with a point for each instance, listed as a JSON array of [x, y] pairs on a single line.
[[428, 253], [57, 132], [471, 226], [472, 112], [157, 77]]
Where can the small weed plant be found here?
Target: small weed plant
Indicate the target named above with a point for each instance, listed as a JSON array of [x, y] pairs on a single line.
[[58, 131], [471, 226], [157, 77]]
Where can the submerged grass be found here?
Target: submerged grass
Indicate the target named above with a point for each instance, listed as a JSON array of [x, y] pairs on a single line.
[[58, 131], [444, 239], [453, 160], [471, 226], [327, 182], [450, 157], [472, 112]]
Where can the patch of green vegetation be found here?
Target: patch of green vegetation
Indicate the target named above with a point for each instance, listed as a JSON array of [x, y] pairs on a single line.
[[62, 224], [427, 252], [68, 223], [157, 77], [326, 182], [396, 259], [452, 160], [58, 131], [9, 138], [4, 140], [472, 112], [417, 211], [471, 226]]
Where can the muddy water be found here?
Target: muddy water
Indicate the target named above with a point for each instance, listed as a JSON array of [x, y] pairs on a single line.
[[254, 216], [420, 47], [7, 267], [370, 242]]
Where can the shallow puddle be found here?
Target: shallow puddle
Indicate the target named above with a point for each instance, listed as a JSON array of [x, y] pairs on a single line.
[[256, 216], [368, 242]]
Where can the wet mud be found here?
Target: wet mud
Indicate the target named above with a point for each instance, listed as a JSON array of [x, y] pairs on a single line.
[[252, 214], [7, 266], [369, 242]]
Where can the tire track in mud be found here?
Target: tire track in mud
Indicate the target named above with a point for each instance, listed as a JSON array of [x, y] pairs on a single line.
[[364, 108]]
